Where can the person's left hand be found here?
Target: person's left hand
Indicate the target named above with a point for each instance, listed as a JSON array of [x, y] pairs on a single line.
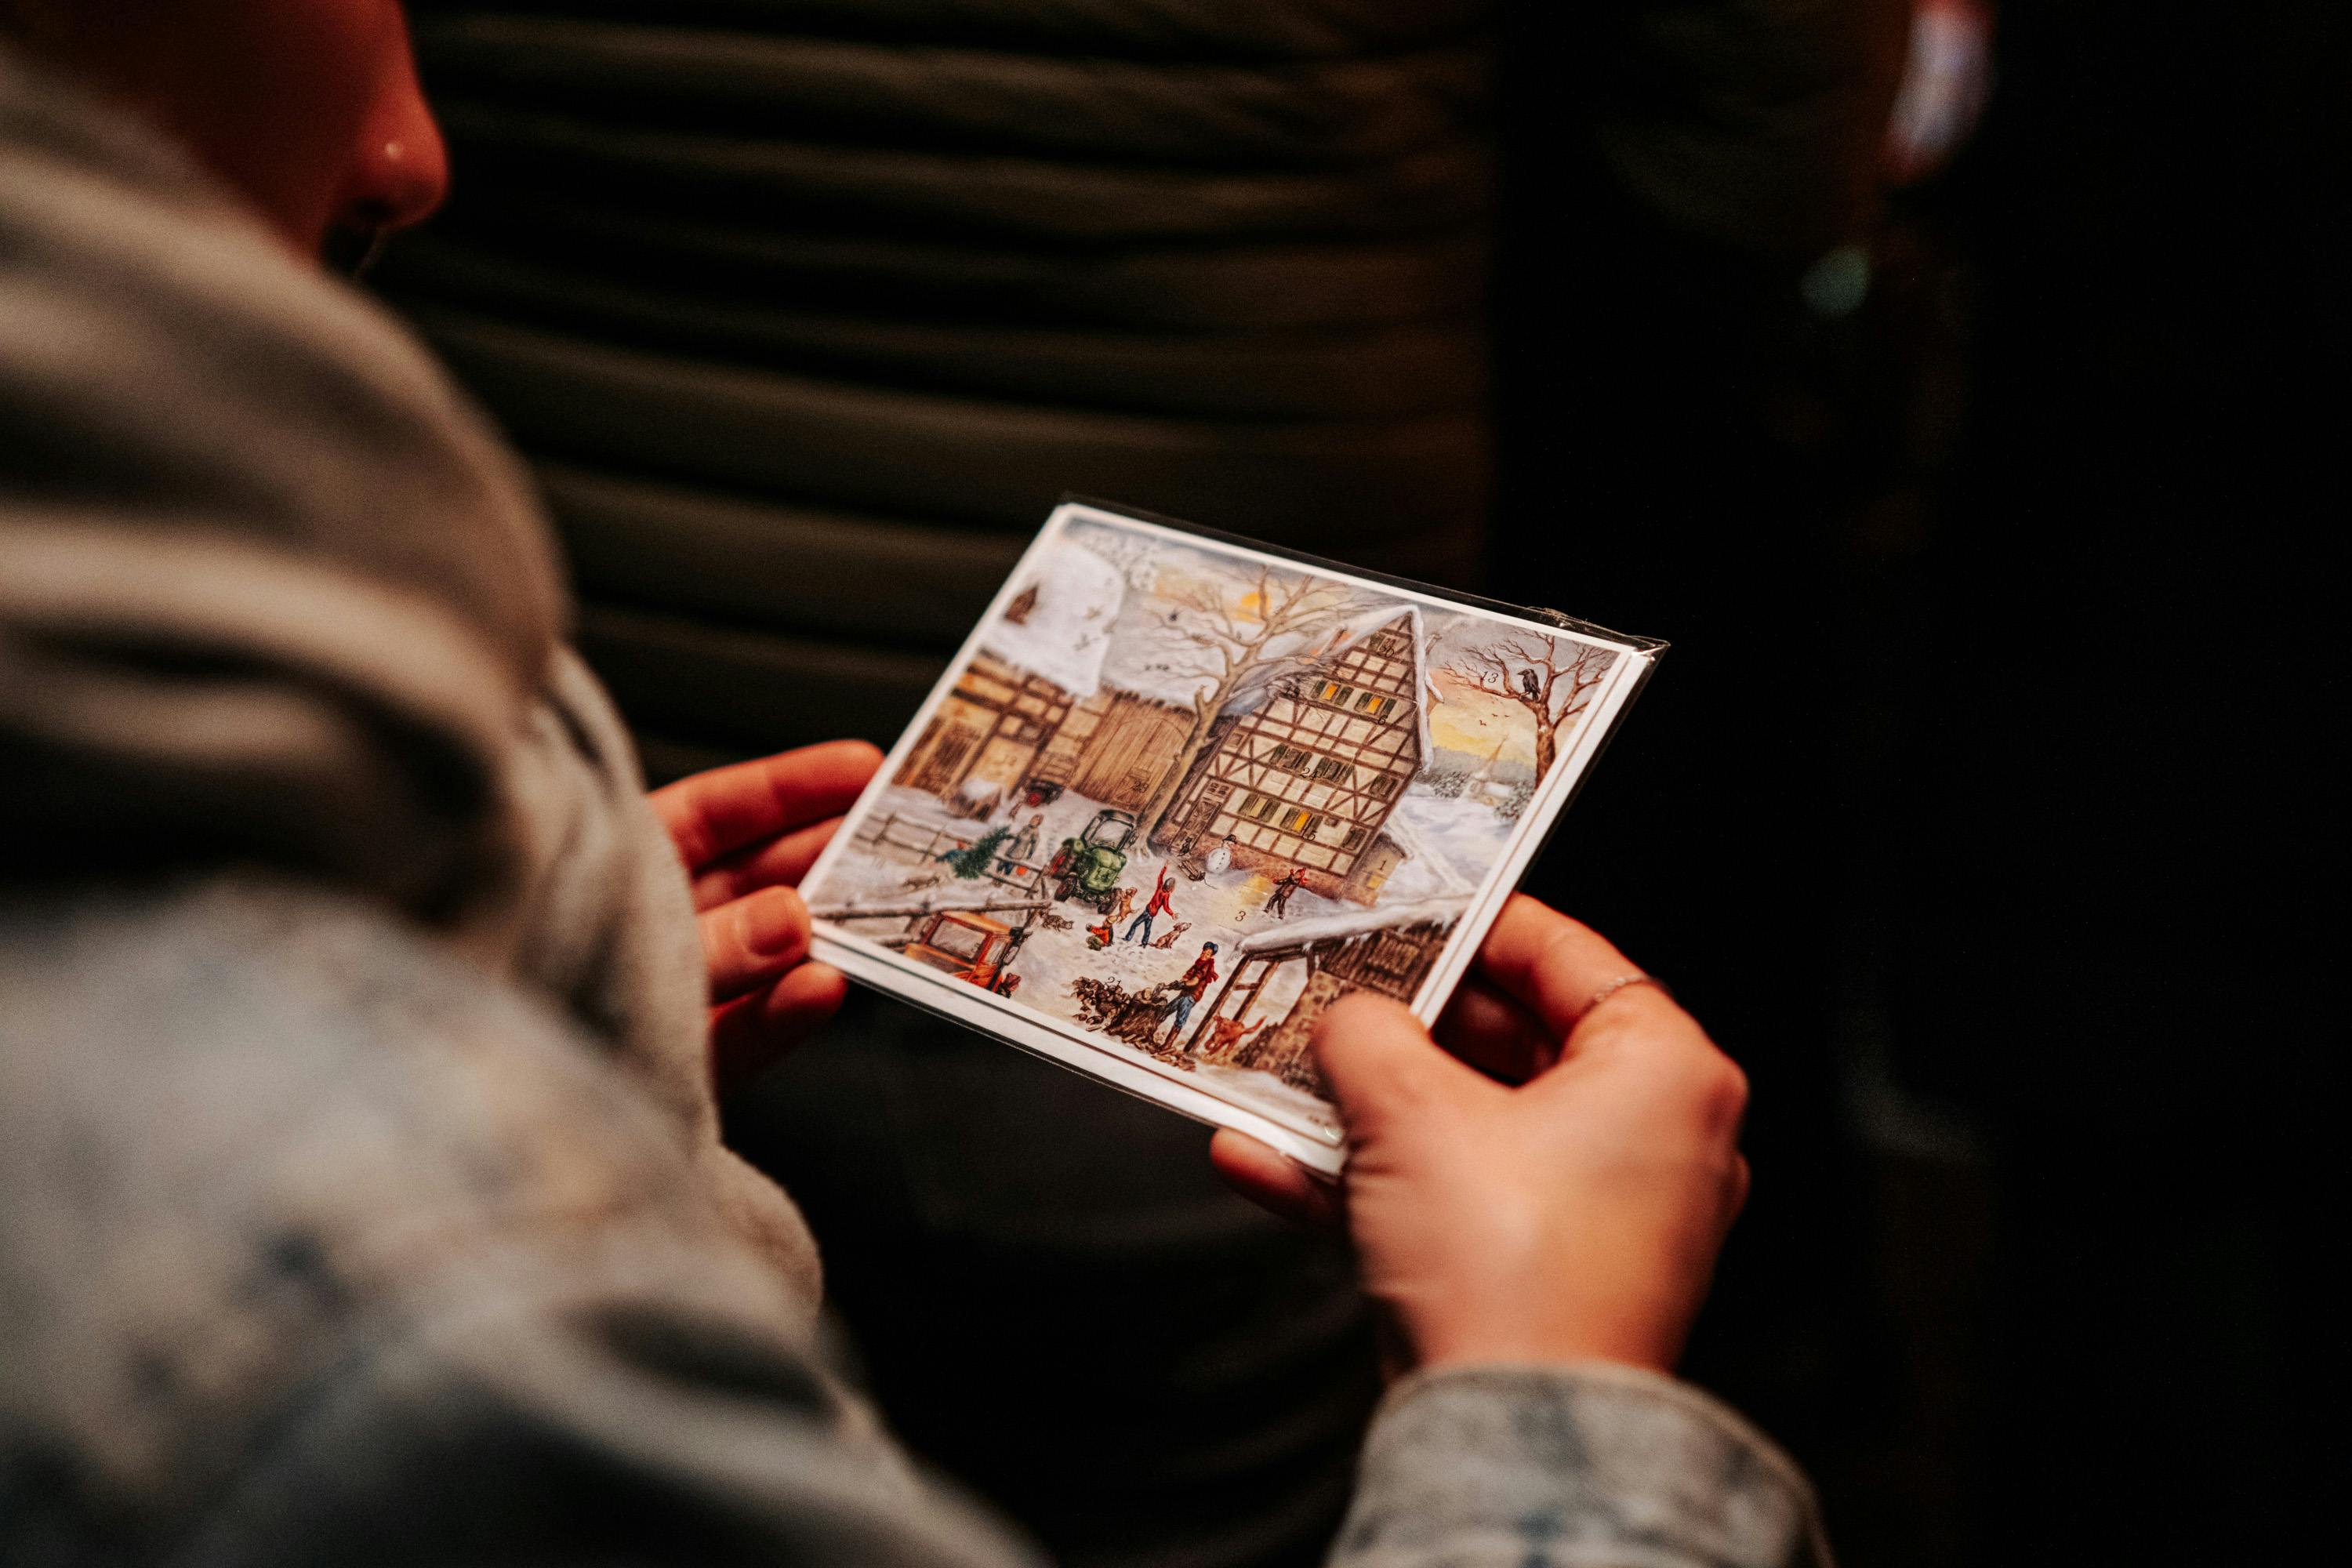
[[748, 834]]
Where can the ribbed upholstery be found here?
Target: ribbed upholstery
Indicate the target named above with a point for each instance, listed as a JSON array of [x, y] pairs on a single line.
[[1200, 30], [798, 303], [1313, 113], [1357, 486]]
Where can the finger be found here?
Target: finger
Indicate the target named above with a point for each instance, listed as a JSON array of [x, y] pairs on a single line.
[[717, 813], [778, 863], [1281, 1186], [1548, 963], [753, 940], [1383, 1068], [1486, 1028], [751, 1032]]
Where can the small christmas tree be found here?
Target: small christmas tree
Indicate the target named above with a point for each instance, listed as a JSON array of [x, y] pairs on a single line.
[[970, 863]]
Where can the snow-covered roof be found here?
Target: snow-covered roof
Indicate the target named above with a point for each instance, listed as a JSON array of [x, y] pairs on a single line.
[[1159, 660], [1374, 621], [1354, 922], [1429, 866], [1162, 661], [1066, 633]]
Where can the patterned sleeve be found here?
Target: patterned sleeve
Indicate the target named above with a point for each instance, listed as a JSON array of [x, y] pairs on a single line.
[[1578, 1466]]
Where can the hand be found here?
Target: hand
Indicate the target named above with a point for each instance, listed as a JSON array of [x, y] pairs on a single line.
[[748, 834], [1554, 1190]]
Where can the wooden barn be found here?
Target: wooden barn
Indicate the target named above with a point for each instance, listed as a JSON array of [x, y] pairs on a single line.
[[1116, 747], [1309, 774], [987, 733], [1041, 655]]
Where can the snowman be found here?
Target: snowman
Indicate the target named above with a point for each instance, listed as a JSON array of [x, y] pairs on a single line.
[[1221, 859]]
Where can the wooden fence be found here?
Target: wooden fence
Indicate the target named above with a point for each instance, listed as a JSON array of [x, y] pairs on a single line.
[[929, 844]]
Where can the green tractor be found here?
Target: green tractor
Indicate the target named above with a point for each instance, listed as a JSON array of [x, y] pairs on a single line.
[[1088, 868]]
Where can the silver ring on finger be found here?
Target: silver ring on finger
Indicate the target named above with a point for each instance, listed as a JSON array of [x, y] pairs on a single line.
[[1621, 983]]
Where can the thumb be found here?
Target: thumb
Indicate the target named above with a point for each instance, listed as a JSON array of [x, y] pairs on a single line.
[[1384, 1070]]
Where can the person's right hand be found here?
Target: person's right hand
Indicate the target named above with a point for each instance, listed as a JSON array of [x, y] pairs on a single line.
[[1565, 1203]]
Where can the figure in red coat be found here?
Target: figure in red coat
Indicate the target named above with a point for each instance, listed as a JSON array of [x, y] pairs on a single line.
[[1159, 903], [1187, 993]]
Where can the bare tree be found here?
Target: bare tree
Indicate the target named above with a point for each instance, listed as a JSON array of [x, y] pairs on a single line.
[[1229, 642], [1555, 693]]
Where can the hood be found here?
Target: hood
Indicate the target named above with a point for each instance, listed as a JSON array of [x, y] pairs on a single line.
[[269, 585]]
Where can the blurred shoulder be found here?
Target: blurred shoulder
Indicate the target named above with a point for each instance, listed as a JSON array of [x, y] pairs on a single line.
[[238, 1023], [252, 1134]]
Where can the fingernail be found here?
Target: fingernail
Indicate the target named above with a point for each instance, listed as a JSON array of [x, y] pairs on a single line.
[[776, 922]]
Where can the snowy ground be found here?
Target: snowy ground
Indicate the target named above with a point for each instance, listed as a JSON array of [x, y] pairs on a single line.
[[1222, 909]]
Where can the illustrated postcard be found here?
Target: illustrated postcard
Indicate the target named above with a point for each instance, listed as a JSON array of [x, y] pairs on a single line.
[[1176, 795]]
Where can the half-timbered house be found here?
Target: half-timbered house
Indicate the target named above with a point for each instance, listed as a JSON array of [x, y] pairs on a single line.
[[1307, 776]]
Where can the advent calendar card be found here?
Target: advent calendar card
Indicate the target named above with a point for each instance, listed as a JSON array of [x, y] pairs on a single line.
[[1179, 793]]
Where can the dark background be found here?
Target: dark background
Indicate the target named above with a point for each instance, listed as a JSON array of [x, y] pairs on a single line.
[[2044, 856], [1979, 808]]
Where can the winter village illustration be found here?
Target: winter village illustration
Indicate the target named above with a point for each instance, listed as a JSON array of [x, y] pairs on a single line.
[[1183, 798]]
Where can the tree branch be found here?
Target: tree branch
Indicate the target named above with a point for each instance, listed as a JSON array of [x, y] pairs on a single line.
[[1586, 673]]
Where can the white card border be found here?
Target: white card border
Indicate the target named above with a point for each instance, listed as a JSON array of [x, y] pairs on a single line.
[[890, 973]]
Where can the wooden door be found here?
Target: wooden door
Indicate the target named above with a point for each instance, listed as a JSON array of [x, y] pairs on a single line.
[[944, 767], [1132, 752], [1205, 807]]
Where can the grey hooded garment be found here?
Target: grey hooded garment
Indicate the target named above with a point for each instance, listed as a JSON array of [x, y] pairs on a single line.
[[360, 1198]]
